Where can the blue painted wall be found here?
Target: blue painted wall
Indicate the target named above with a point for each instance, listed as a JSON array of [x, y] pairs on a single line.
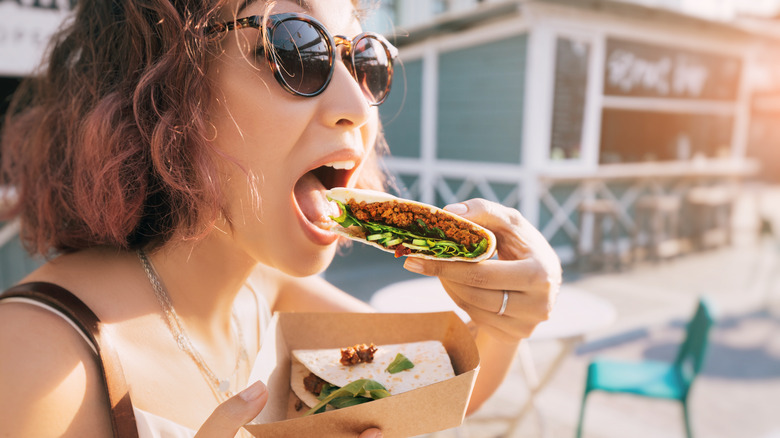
[[480, 102], [15, 263]]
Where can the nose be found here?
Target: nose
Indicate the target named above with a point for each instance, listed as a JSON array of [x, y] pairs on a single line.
[[343, 102]]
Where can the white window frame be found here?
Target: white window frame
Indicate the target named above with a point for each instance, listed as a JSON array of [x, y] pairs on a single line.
[[591, 123]]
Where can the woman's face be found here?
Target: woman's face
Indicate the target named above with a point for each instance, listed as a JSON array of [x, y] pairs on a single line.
[[296, 147]]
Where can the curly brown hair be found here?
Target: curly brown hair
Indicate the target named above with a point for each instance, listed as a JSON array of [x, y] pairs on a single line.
[[109, 144]]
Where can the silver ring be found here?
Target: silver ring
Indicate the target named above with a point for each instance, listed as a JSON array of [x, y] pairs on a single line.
[[503, 304]]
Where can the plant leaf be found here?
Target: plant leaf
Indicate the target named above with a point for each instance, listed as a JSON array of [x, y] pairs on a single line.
[[400, 363], [365, 388]]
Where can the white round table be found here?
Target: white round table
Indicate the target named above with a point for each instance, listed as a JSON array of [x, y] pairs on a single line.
[[575, 314]]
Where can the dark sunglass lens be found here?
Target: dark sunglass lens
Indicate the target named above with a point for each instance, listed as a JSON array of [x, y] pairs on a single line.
[[372, 68], [303, 56]]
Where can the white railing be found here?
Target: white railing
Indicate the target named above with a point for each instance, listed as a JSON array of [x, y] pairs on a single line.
[[454, 181], [8, 231], [437, 181]]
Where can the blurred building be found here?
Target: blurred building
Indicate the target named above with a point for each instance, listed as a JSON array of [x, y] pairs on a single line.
[[542, 104], [405, 13]]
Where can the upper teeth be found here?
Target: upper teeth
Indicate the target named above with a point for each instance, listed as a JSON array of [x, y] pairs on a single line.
[[346, 165]]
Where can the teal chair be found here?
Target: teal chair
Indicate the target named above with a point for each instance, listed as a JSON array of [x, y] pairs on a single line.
[[652, 378]]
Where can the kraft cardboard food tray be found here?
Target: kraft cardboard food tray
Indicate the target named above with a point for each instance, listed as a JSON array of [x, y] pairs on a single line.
[[424, 410]]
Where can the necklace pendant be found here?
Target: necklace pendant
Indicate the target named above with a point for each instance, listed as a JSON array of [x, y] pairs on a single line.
[[224, 385]]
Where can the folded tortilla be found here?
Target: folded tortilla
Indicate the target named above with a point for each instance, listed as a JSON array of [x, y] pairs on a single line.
[[431, 364], [468, 251]]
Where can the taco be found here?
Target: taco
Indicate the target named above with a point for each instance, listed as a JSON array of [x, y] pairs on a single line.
[[392, 370], [409, 228]]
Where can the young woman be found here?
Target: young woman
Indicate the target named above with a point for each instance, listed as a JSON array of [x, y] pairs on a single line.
[[171, 163]]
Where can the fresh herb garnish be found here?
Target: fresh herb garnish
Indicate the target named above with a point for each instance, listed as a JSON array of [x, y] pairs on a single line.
[[400, 363], [351, 394], [429, 240]]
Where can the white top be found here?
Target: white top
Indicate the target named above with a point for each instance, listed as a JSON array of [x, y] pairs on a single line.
[[154, 426], [151, 425]]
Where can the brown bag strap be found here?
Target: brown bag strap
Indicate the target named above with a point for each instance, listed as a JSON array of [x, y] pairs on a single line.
[[122, 416]]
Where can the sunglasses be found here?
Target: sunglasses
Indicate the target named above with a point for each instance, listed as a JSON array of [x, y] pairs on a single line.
[[302, 54]]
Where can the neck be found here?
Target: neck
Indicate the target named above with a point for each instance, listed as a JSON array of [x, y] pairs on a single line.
[[202, 280]]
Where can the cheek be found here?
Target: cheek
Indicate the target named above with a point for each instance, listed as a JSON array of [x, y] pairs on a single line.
[[245, 101], [250, 134]]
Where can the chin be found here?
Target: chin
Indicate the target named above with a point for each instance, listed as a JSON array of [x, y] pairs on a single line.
[[306, 263]]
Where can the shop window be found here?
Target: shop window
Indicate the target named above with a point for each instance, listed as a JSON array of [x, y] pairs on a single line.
[[637, 136], [401, 113], [640, 70], [480, 102], [571, 81]]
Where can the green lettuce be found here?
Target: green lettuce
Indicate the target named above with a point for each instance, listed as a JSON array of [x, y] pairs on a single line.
[[351, 394], [400, 363]]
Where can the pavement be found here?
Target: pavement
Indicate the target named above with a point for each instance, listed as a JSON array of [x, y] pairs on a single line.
[[737, 394]]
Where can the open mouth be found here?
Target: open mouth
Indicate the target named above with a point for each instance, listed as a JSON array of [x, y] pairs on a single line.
[[334, 174], [309, 190]]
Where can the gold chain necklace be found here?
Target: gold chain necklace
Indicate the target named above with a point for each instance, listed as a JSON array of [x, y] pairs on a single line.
[[220, 387]]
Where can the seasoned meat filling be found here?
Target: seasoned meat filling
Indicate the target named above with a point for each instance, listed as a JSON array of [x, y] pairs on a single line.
[[356, 354], [405, 216], [313, 384]]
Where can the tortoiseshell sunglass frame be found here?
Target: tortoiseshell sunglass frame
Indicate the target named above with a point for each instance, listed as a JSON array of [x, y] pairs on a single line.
[[332, 41]]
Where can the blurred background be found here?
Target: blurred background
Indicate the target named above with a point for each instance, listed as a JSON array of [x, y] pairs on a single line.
[[641, 137]]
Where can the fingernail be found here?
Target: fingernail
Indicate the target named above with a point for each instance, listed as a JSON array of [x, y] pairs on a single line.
[[377, 434], [459, 208], [255, 391], [413, 265]]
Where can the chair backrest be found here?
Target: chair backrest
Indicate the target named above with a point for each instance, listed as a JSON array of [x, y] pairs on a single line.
[[690, 358]]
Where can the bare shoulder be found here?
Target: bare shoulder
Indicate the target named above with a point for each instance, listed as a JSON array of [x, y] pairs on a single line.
[[47, 371], [105, 279]]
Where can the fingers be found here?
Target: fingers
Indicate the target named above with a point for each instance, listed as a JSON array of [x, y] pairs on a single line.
[[531, 307], [522, 314], [238, 410], [503, 328], [516, 237], [525, 274], [527, 268], [493, 216]]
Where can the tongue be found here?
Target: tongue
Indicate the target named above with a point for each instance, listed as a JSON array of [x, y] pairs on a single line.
[[309, 193]]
